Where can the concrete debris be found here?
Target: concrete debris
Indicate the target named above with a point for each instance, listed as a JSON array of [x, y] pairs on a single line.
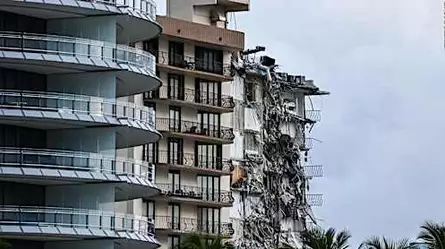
[[274, 174]]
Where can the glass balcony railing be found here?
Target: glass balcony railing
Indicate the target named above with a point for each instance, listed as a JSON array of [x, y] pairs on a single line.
[[75, 104], [191, 160], [77, 47], [194, 128], [193, 63], [146, 7], [190, 225], [313, 115], [313, 170], [192, 96], [74, 218], [197, 193], [74, 160], [314, 199]]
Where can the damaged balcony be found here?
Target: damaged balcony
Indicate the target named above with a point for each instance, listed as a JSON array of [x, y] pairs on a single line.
[[204, 101], [307, 144], [312, 171], [180, 226], [196, 195], [194, 130], [313, 116], [192, 66], [314, 199], [192, 162]]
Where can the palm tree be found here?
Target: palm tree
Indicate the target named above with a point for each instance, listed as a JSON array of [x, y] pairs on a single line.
[[317, 238], [4, 244], [198, 241], [432, 235], [384, 243]]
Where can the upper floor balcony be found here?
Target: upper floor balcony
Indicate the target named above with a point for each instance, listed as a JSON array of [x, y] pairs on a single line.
[[313, 116], [192, 162], [179, 226], [197, 195], [194, 130], [53, 54], [312, 171], [58, 222], [203, 68], [204, 101], [314, 199], [62, 110], [50, 166]]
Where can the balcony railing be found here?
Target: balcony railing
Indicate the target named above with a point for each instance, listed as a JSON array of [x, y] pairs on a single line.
[[74, 160], [193, 63], [74, 104], [314, 199], [195, 128], [313, 115], [82, 48], [193, 96], [197, 193], [313, 170], [146, 7], [74, 218], [191, 160], [190, 225]]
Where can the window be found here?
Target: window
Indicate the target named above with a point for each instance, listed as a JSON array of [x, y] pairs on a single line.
[[175, 86], [250, 142], [208, 156], [209, 187], [175, 119], [173, 241], [208, 92], [209, 60], [152, 46], [174, 178], [175, 155], [209, 123], [176, 54], [174, 211], [209, 220], [150, 152], [150, 207], [250, 90]]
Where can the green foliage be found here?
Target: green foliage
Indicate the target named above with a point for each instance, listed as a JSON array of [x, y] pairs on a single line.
[[384, 243], [318, 238], [432, 235], [198, 241]]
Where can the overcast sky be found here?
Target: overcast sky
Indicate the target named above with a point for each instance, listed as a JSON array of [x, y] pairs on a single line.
[[383, 125]]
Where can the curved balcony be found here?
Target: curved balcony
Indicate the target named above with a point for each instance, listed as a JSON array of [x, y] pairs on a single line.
[[136, 19], [178, 226], [134, 178], [313, 116], [49, 54], [192, 163], [205, 101], [182, 64], [56, 222], [197, 195], [60, 110], [195, 130]]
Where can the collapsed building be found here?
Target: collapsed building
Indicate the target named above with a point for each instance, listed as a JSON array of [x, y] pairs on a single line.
[[271, 123]]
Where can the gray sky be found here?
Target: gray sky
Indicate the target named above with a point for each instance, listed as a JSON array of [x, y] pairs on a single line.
[[383, 125]]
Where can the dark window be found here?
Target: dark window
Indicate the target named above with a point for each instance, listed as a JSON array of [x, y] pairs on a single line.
[[176, 54], [175, 149], [209, 220], [209, 123], [150, 152], [176, 86], [173, 241], [208, 92], [209, 60], [152, 46], [249, 89], [20, 23], [20, 80], [174, 178], [209, 187], [174, 211], [151, 209], [208, 156], [175, 119]]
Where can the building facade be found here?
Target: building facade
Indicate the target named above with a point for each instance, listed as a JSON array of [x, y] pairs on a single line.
[[73, 123], [193, 112], [271, 163]]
